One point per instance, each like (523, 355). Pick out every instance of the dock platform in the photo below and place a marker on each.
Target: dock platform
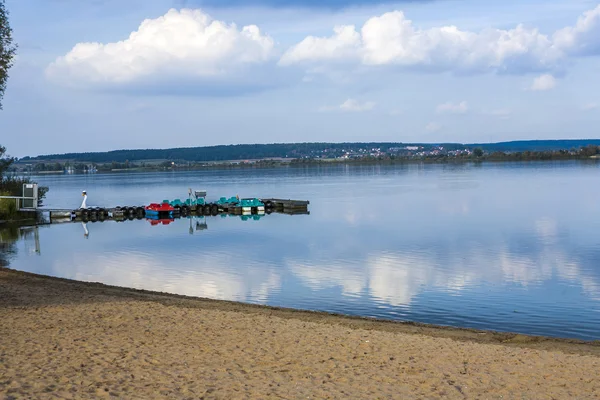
(122, 213)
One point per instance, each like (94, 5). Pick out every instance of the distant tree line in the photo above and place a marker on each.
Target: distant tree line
(213, 153)
(475, 155)
(293, 150)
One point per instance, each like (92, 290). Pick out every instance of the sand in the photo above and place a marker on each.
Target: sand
(65, 339)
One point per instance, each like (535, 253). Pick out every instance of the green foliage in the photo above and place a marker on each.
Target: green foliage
(5, 160)
(478, 152)
(42, 191)
(8, 207)
(7, 49)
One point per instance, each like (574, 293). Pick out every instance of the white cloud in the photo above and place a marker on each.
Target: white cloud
(355, 106)
(543, 82)
(344, 43)
(392, 39)
(583, 38)
(186, 44)
(591, 106)
(433, 127)
(351, 105)
(453, 108)
(187, 47)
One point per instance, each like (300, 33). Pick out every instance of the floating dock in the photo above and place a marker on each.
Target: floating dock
(123, 213)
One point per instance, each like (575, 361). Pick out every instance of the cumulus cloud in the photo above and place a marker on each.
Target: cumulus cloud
(351, 105)
(583, 39)
(392, 39)
(453, 108)
(344, 44)
(189, 50)
(187, 44)
(543, 82)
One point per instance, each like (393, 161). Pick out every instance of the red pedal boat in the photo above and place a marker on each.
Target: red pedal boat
(159, 209)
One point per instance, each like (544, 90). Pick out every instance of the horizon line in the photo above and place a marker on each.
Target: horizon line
(292, 143)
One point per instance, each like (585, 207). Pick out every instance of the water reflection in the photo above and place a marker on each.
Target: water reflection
(449, 246)
(11, 234)
(196, 223)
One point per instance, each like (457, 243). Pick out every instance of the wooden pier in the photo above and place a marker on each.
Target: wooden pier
(122, 213)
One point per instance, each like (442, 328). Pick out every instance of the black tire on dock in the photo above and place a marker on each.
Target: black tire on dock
(102, 216)
(214, 209)
(206, 209)
(85, 213)
(268, 204)
(140, 211)
(185, 210)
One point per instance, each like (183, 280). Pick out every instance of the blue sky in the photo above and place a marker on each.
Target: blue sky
(110, 74)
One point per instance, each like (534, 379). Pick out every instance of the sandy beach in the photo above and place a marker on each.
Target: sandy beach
(65, 339)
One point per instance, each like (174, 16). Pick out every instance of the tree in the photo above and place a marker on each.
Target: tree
(5, 160)
(7, 49)
(589, 150)
(478, 152)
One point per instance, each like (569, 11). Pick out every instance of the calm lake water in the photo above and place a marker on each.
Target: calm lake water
(509, 247)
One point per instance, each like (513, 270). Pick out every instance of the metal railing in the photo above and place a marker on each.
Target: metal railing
(29, 199)
(19, 202)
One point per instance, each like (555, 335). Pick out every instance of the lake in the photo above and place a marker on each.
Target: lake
(509, 246)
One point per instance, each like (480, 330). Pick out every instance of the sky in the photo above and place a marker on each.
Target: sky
(102, 75)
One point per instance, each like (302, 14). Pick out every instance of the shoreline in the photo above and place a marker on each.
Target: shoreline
(107, 341)
(418, 328)
(298, 163)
